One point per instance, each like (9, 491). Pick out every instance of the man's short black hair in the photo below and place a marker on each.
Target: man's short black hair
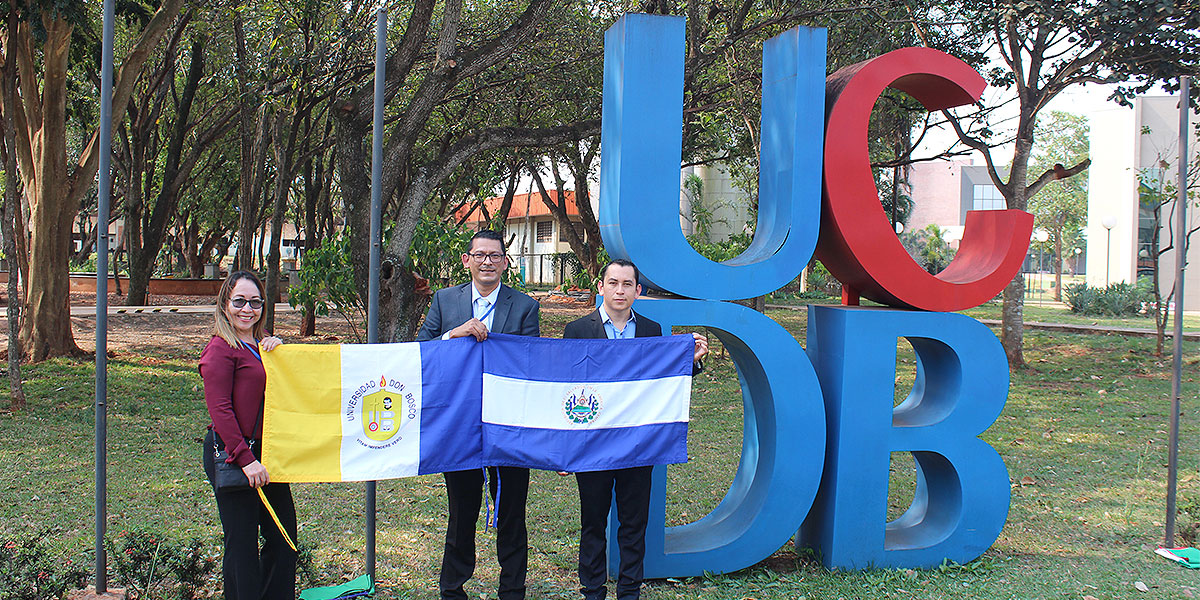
(487, 234)
(620, 262)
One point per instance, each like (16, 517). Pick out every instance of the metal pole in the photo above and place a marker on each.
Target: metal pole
(1180, 263)
(1107, 253)
(376, 241)
(105, 191)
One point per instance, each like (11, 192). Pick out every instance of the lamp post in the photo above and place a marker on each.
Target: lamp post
(1041, 236)
(1108, 222)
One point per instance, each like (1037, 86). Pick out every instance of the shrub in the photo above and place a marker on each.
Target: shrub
(822, 281)
(31, 570)
(720, 251)
(928, 248)
(1116, 300)
(151, 565)
(1120, 300)
(1081, 298)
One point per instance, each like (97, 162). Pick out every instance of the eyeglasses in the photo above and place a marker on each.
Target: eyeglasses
(482, 257)
(255, 303)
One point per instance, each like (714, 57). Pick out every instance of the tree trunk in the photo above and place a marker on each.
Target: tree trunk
(1012, 325)
(253, 152)
(312, 192)
(403, 298)
(141, 269)
(283, 168)
(12, 209)
(355, 183)
(1058, 261)
(191, 246)
(1012, 321)
(1160, 307)
(46, 330)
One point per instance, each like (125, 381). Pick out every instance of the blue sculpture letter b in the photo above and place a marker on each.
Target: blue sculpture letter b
(962, 490)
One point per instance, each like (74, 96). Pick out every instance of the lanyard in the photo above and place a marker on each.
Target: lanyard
(253, 350)
(489, 312)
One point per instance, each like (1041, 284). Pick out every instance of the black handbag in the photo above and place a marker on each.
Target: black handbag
(228, 476)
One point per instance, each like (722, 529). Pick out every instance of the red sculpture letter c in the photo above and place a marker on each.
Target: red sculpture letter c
(856, 241)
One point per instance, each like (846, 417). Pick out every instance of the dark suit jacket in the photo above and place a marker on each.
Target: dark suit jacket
(591, 326)
(515, 312)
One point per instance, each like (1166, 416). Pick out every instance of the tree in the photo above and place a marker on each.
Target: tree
(928, 248)
(1042, 47)
(583, 237)
(451, 80)
(39, 49)
(1158, 191)
(172, 124)
(1060, 208)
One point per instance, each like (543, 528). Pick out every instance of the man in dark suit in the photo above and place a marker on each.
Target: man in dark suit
(616, 320)
(475, 308)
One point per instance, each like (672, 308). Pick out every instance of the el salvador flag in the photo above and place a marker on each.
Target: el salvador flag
(586, 404)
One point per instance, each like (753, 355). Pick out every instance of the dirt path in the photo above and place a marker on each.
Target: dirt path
(169, 333)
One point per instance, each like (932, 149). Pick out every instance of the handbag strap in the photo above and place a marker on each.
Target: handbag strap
(249, 441)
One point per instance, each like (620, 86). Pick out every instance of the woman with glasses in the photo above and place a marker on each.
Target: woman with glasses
(234, 381)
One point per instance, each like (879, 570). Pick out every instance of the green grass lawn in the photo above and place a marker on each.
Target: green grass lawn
(1087, 424)
(1058, 313)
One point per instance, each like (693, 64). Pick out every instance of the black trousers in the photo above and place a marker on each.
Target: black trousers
(248, 573)
(464, 490)
(631, 488)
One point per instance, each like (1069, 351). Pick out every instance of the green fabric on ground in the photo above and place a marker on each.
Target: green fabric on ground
(1191, 555)
(360, 587)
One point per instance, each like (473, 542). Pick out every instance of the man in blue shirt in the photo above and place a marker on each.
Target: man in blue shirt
(616, 320)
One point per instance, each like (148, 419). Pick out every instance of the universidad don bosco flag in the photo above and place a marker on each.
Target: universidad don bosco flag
(361, 412)
(381, 411)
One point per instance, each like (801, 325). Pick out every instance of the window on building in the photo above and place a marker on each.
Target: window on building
(1150, 195)
(987, 197)
(545, 232)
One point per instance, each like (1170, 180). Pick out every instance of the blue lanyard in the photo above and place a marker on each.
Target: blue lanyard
(253, 350)
(489, 311)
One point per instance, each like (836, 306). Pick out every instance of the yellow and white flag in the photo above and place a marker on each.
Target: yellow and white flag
(364, 412)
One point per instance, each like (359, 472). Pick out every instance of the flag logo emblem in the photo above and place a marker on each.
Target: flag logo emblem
(581, 405)
(384, 411)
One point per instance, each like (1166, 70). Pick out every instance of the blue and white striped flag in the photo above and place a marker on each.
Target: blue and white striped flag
(586, 404)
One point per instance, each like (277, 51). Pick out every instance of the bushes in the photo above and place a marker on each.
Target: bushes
(822, 282)
(31, 570)
(1116, 300)
(151, 565)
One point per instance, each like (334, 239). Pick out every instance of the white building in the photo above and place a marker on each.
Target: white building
(1129, 146)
